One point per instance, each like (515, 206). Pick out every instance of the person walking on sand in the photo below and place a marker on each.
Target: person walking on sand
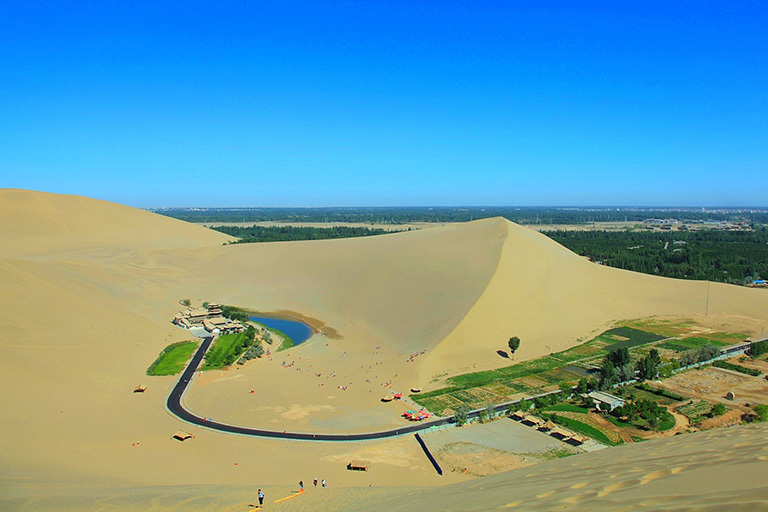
(301, 485)
(324, 483)
(315, 482)
(261, 497)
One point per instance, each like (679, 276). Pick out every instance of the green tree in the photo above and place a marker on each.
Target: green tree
(718, 410)
(514, 344)
(461, 415)
(567, 389)
(524, 405)
(762, 412)
(583, 386)
(186, 302)
(619, 357)
(609, 375)
(490, 410)
(648, 367)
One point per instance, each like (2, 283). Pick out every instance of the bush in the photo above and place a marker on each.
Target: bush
(718, 410)
(461, 415)
(660, 392)
(758, 348)
(762, 412)
(737, 368)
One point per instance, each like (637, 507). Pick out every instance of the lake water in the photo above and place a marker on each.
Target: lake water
(298, 332)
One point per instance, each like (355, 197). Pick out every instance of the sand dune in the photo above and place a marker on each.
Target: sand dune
(42, 225)
(89, 288)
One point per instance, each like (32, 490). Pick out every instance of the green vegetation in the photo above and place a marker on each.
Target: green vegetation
(461, 415)
(645, 414)
(728, 256)
(700, 355)
(762, 412)
(718, 410)
(228, 348)
(660, 392)
(286, 342)
(234, 313)
(580, 427)
(513, 343)
(568, 408)
(696, 411)
(403, 215)
(172, 359)
(627, 346)
(758, 348)
(754, 372)
(256, 234)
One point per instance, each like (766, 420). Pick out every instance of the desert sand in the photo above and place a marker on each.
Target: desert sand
(89, 288)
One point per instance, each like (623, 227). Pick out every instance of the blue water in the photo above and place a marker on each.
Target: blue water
(297, 331)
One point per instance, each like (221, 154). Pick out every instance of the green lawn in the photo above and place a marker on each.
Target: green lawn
(225, 351)
(286, 342)
(173, 358)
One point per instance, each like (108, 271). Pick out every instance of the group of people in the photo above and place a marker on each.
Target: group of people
(301, 488)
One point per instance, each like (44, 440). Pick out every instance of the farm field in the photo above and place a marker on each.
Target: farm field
(474, 390)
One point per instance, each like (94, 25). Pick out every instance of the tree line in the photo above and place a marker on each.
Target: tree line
(736, 257)
(404, 215)
(255, 234)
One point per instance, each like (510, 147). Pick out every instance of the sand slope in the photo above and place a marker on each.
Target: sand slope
(40, 225)
(89, 287)
(549, 297)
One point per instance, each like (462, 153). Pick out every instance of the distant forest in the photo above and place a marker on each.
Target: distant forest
(254, 234)
(404, 215)
(736, 257)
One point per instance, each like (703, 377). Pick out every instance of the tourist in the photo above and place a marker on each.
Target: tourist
(315, 482)
(261, 497)
(323, 482)
(301, 485)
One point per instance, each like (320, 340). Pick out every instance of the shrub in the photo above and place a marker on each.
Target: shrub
(718, 410)
(758, 348)
(737, 368)
(461, 415)
(762, 412)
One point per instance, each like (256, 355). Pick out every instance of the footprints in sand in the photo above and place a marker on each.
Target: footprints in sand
(662, 473)
(610, 489)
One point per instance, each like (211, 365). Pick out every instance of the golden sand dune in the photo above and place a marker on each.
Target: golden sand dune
(89, 287)
(39, 224)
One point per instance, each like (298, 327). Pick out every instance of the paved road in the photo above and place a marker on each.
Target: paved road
(175, 407)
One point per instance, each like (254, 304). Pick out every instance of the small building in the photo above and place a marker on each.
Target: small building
(182, 436)
(730, 395)
(196, 316)
(547, 426)
(140, 389)
(577, 440)
(518, 415)
(532, 421)
(606, 401)
(561, 433)
(359, 465)
(214, 309)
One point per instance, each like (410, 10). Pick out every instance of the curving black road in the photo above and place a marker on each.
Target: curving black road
(174, 406)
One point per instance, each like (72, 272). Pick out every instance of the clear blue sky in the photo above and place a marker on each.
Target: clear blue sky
(387, 102)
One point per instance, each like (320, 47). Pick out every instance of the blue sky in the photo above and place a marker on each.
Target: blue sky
(387, 103)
